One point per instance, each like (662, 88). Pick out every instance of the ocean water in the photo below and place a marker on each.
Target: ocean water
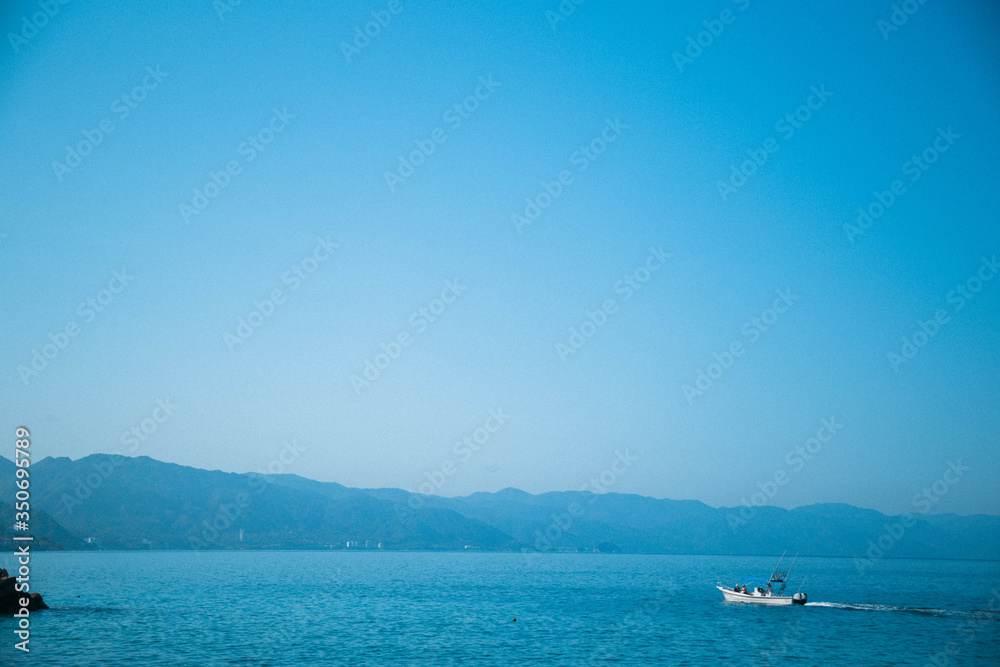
(385, 608)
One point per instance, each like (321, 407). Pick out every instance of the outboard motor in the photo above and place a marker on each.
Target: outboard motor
(799, 598)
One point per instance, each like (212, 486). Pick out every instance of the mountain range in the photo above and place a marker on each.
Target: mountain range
(116, 502)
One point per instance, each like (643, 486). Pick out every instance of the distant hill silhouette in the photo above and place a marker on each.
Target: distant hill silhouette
(141, 503)
(47, 534)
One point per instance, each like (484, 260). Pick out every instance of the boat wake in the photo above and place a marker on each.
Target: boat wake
(977, 613)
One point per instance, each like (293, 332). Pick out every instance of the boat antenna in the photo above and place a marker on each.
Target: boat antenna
(801, 585)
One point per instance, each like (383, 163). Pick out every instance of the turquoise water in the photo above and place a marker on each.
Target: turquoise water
(380, 608)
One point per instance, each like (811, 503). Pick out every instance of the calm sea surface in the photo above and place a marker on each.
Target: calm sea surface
(372, 608)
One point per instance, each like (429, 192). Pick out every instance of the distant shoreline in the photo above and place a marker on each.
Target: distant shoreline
(485, 552)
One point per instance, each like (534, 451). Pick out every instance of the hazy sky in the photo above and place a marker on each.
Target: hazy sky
(179, 166)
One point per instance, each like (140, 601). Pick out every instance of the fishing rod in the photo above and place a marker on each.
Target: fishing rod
(771, 578)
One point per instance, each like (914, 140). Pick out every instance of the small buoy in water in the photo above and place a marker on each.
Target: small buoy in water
(513, 620)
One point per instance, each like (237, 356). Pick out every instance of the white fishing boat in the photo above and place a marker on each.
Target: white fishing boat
(765, 591)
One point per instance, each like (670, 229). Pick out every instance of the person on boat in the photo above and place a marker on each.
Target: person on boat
(736, 588)
(743, 589)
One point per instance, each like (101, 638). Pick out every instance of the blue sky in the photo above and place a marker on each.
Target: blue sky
(308, 135)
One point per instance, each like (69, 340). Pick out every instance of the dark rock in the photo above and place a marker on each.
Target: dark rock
(10, 599)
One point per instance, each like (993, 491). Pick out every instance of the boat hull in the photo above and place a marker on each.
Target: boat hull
(736, 596)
